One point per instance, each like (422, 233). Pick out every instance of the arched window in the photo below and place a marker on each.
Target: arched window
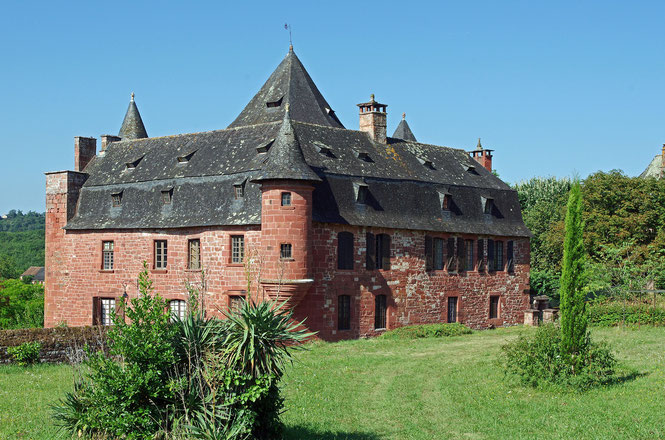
(178, 309)
(345, 251)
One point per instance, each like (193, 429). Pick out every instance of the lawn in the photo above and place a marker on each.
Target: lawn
(422, 389)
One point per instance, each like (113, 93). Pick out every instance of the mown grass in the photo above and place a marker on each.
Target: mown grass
(414, 389)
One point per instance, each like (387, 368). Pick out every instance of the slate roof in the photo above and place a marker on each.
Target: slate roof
(403, 131)
(654, 169)
(132, 126)
(406, 180)
(36, 272)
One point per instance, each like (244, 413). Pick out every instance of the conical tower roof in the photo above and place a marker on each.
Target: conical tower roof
(285, 158)
(289, 84)
(403, 131)
(132, 125)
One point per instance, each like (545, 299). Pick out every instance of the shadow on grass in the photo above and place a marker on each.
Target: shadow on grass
(302, 433)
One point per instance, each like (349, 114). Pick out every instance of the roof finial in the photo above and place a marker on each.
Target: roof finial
(132, 98)
(403, 115)
(479, 146)
(371, 97)
(288, 28)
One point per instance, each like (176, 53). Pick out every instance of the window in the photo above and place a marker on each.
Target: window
(107, 255)
(488, 205)
(469, 254)
(438, 253)
(364, 156)
(186, 158)
(285, 251)
(452, 309)
(160, 254)
(239, 191)
(343, 312)
(451, 264)
(383, 251)
(494, 307)
(380, 312)
(461, 255)
(363, 191)
(167, 196)
(445, 205)
(235, 302)
(116, 199)
(102, 308)
(286, 199)
(498, 255)
(490, 255)
(194, 254)
(178, 309)
(510, 256)
(370, 249)
(273, 104)
(345, 251)
(237, 249)
(481, 255)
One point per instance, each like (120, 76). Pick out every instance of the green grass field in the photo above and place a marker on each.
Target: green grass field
(414, 389)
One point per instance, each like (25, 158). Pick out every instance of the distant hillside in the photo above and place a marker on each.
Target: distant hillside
(22, 239)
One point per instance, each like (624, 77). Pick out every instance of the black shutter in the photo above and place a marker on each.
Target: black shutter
(490, 255)
(96, 311)
(510, 256)
(429, 255)
(438, 254)
(385, 252)
(370, 252)
(461, 254)
(451, 255)
(345, 250)
(481, 255)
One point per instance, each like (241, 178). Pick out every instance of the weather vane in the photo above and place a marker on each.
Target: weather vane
(288, 28)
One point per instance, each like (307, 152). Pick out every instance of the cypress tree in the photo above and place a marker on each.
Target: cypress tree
(573, 312)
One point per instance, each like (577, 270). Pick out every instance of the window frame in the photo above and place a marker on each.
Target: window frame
(99, 305)
(344, 312)
(160, 260)
(190, 261)
(498, 256)
(286, 251)
(452, 313)
(240, 258)
(179, 312)
(495, 307)
(234, 300)
(380, 312)
(286, 199)
(110, 253)
(470, 262)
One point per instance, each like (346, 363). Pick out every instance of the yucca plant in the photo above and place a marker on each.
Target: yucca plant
(259, 337)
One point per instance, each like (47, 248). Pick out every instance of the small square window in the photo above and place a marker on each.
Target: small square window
(285, 251)
(107, 255)
(286, 199)
(167, 196)
(239, 191)
(116, 199)
(235, 302)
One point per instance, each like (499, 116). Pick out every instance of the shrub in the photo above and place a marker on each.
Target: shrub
(538, 360)
(26, 353)
(427, 331)
(615, 313)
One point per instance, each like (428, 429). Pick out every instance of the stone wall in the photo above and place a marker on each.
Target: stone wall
(59, 344)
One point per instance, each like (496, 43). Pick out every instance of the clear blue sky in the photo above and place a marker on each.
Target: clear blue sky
(555, 88)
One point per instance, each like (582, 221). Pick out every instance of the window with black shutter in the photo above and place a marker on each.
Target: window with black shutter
(345, 251)
(461, 255)
(344, 312)
(452, 309)
(370, 252)
(102, 310)
(438, 254)
(490, 255)
(481, 255)
(450, 264)
(498, 255)
(380, 312)
(510, 256)
(429, 253)
(468, 245)
(383, 251)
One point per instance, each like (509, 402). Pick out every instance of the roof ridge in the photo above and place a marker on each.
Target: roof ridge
(199, 132)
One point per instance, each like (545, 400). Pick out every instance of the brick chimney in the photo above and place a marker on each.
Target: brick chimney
(373, 119)
(482, 156)
(84, 150)
(107, 139)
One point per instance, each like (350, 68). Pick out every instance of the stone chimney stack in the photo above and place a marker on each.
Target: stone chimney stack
(482, 156)
(84, 150)
(373, 119)
(107, 139)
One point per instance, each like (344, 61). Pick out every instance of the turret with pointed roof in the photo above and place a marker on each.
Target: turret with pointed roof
(403, 131)
(132, 125)
(289, 84)
(285, 158)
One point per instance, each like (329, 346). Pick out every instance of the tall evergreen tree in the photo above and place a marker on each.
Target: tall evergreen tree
(573, 312)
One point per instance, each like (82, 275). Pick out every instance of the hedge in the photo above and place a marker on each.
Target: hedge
(427, 331)
(58, 344)
(614, 313)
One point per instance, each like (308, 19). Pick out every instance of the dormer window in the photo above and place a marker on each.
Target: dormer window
(471, 169)
(324, 149)
(167, 196)
(265, 147)
(362, 191)
(426, 163)
(488, 204)
(239, 189)
(445, 199)
(184, 159)
(273, 104)
(364, 156)
(116, 199)
(132, 165)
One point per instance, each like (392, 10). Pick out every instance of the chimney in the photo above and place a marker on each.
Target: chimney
(107, 139)
(84, 150)
(373, 119)
(482, 156)
(662, 162)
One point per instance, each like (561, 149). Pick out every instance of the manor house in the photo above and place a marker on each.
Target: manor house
(358, 231)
